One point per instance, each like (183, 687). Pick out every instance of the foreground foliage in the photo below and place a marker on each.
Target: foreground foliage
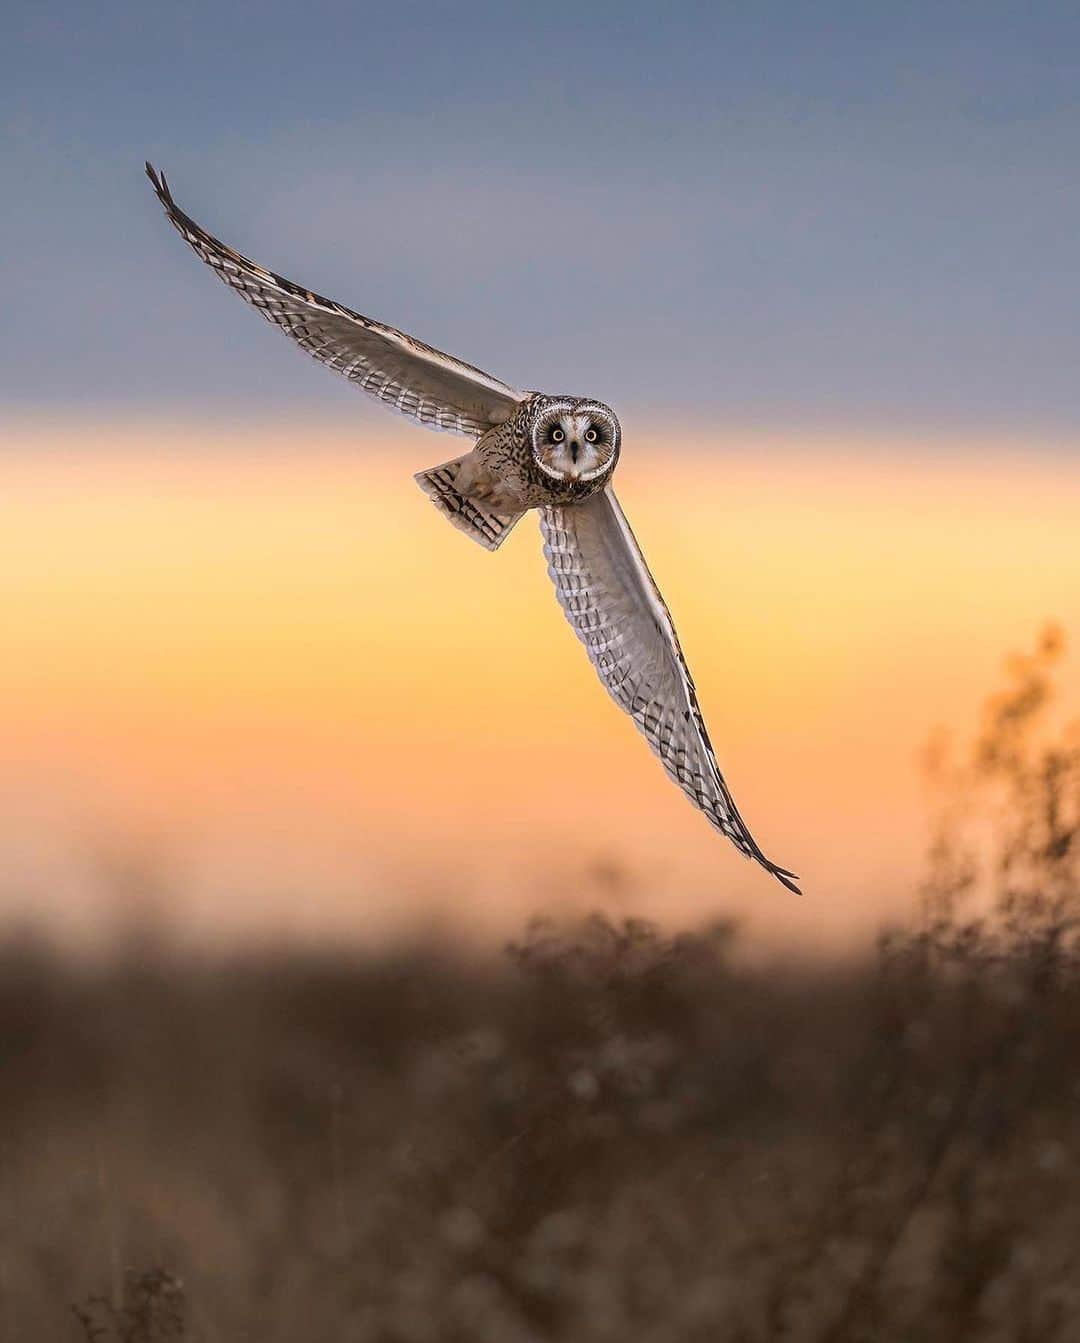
(608, 1133)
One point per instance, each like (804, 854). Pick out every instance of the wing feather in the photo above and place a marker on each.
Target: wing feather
(434, 388)
(613, 604)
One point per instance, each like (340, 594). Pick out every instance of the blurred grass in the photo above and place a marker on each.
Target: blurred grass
(605, 1133)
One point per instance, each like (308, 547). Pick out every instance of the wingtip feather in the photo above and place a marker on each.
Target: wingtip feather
(787, 879)
(160, 183)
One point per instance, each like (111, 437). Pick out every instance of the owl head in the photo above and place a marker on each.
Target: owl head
(574, 440)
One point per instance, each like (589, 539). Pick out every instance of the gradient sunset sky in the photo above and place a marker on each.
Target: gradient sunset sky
(822, 261)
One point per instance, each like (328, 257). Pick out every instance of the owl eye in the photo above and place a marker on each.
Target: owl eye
(557, 435)
(591, 435)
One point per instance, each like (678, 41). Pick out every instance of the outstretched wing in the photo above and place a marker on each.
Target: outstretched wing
(610, 599)
(434, 388)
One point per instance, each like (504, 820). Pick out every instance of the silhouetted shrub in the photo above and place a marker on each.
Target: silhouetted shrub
(609, 1133)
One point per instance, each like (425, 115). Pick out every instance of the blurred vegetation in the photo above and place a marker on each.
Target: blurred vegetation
(609, 1133)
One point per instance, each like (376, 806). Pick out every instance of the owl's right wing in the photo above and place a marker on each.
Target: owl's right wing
(609, 597)
(434, 388)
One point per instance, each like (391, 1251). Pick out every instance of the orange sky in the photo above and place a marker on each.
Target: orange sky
(263, 655)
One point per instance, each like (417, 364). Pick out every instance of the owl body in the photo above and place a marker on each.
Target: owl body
(554, 454)
(523, 463)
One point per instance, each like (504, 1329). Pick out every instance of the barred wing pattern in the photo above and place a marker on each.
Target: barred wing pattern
(613, 604)
(405, 374)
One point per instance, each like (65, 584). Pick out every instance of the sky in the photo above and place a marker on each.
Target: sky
(831, 215)
(821, 260)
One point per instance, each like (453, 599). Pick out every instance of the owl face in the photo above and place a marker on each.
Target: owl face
(575, 440)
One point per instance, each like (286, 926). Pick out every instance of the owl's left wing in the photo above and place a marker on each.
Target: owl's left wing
(435, 388)
(616, 610)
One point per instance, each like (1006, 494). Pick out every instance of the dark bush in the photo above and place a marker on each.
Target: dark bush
(608, 1133)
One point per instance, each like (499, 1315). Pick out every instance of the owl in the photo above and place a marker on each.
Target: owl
(554, 454)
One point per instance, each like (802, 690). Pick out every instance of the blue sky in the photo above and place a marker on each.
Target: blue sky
(786, 215)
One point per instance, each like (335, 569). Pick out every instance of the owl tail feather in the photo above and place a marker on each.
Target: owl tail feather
(474, 518)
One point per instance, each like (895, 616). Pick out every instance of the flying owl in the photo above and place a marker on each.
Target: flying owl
(556, 454)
